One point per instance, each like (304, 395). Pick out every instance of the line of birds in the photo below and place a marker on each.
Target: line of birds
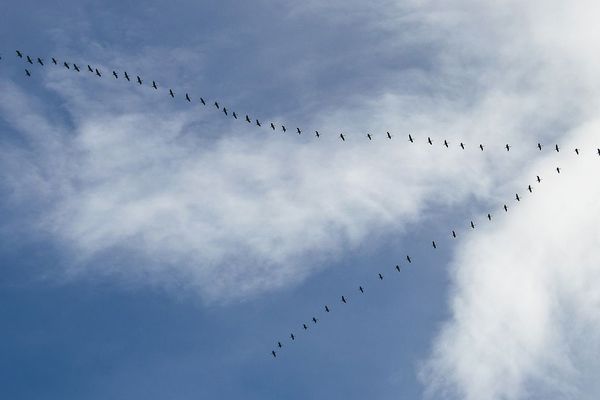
(409, 260)
(342, 136)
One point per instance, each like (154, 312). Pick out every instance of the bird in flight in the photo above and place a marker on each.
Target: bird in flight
(77, 69)
(292, 336)
(472, 225)
(248, 119)
(433, 243)
(577, 151)
(126, 76)
(272, 126)
(19, 54)
(225, 110)
(599, 152)
(187, 97)
(258, 123)
(326, 309)
(361, 289)
(429, 140)
(558, 170)
(216, 104)
(171, 93)
(446, 143)
(556, 148)
(529, 188)
(139, 80)
(398, 268)
(54, 61)
(342, 137)
(489, 216)
(369, 136)
(380, 276)
(115, 75)
(279, 345)
(27, 72)
(481, 146)
(234, 115)
(505, 208)
(507, 147)
(66, 65)
(98, 73)
(283, 128)
(343, 300)
(154, 85)
(304, 326)
(274, 353)
(298, 130)
(389, 136)
(39, 60)
(29, 60)
(317, 134)
(90, 69)
(410, 138)
(517, 197)
(314, 320)
(538, 178)
(202, 101)
(540, 146)
(453, 234)
(462, 145)
(408, 259)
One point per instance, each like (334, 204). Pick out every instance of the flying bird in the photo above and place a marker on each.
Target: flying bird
(326, 309)
(139, 80)
(274, 354)
(216, 104)
(517, 197)
(54, 61)
(462, 145)
(258, 123)
(380, 276)
(77, 69)
(298, 130)
(90, 69)
(234, 115)
(29, 60)
(408, 259)
(429, 140)
(489, 216)
(304, 326)
(556, 148)
(389, 136)
(540, 146)
(115, 75)
(481, 146)
(529, 188)
(505, 208)
(507, 147)
(343, 300)
(599, 152)
(398, 268)
(283, 128)
(225, 110)
(446, 143)
(369, 136)
(66, 65)
(314, 320)
(292, 336)
(27, 72)
(538, 178)
(361, 289)
(39, 60)
(272, 126)
(410, 138)
(317, 134)
(342, 137)
(171, 93)
(558, 170)
(126, 76)
(248, 119)
(433, 243)
(98, 73)
(472, 225)
(279, 345)
(202, 101)
(453, 234)
(187, 97)
(154, 85)
(19, 54)
(577, 151)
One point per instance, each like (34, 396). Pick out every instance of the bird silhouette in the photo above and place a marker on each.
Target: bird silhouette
(538, 178)
(577, 151)
(326, 309)
(27, 72)
(225, 110)
(388, 135)
(98, 73)
(489, 216)
(369, 136)
(279, 345)
(540, 146)
(19, 54)
(343, 300)
(433, 243)
(298, 130)
(216, 104)
(304, 326)
(429, 140)
(39, 60)
(292, 336)
(558, 170)
(317, 134)
(453, 234)
(410, 138)
(77, 69)
(248, 119)
(274, 354)
(272, 126)
(380, 276)
(29, 60)
(507, 147)
(314, 320)
(171, 93)
(556, 148)
(258, 123)
(472, 225)
(517, 197)
(342, 137)
(154, 85)
(139, 80)
(66, 65)
(481, 146)
(599, 152)
(115, 75)
(446, 143)
(505, 208)
(126, 76)
(283, 128)
(202, 101)
(54, 61)
(408, 259)
(187, 97)
(462, 145)
(234, 115)
(361, 289)
(529, 188)
(90, 69)
(398, 268)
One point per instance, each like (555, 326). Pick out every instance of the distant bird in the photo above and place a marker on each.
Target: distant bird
(540, 146)
(225, 110)
(154, 85)
(429, 140)
(304, 326)
(577, 151)
(66, 65)
(462, 145)
(298, 130)
(410, 138)
(408, 259)
(556, 148)
(54, 61)
(326, 309)
(39, 60)
(446, 143)
(292, 336)
(248, 119)
(314, 320)
(398, 268)
(187, 97)
(453, 234)
(558, 170)
(369, 136)
(202, 101)
(433, 243)
(139, 80)
(77, 69)
(507, 147)
(272, 126)
(317, 134)
(216, 104)
(489, 216)
(115, 75)
(599, 152)
(283, 128)
(279, 345)
(258, 123)
(342, 137)
(98, 73)
(27, 72)
(529, 188)
(380, 276)
(171, 93)
(19, 54)
(472, 225)
(389, 136)
(234, 115)
(517, 197)
(126, 76)
(343, 300)
(505, 208)
(29, 60)
(361, 289)
(538, 178)
(90, 69)
(274, 354)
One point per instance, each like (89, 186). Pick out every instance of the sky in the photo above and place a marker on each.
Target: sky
(156, 248)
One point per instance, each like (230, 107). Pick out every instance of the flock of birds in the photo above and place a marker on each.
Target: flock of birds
(343, 299)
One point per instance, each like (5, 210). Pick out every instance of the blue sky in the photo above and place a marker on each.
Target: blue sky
(158, 249)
